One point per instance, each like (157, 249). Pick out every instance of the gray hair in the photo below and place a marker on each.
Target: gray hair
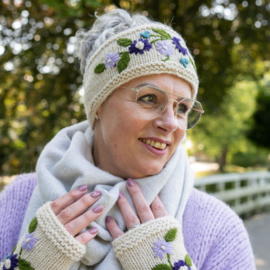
(106, 26)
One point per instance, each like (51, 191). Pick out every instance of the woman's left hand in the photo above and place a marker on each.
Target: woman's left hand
(145, 213)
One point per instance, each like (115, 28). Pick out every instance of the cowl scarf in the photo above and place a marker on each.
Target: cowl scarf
(67, 163)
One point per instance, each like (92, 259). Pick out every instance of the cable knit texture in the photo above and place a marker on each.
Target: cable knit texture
(98, 86)
(214, 236)
(134, 249)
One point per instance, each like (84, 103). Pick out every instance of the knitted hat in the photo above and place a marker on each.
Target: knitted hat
(136, 52)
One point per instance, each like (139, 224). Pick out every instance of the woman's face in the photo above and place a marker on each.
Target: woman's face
(119, 133)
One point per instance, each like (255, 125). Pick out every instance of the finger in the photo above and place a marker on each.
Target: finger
(113, 227)
(87, 236)
(64, 201)
(77, 225)
(143, 210)
(157, 208)
(128, 214)
(78, 207)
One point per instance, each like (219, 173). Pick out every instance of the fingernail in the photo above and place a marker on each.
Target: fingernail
(95, 194)
(98, 208)
(93, 230)
(109, 219)
(121, 194)
(131, 182)
(82, 188)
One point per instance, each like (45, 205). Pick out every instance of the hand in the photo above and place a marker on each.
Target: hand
(70, 209)
(145, 213)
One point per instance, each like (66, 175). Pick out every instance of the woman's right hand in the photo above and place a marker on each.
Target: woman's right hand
(70, 209)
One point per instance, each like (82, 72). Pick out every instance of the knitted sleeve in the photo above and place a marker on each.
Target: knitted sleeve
(46, 245)
(155, 245)
(14, 200)
(215, 236)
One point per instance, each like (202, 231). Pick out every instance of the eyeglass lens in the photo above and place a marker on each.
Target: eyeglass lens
(152, 102)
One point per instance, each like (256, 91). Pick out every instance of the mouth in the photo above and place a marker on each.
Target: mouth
(154, 144)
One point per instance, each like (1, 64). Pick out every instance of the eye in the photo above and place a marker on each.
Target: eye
(182, 109)
(150, 99)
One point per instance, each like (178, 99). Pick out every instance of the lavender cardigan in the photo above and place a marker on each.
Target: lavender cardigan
(214, 236)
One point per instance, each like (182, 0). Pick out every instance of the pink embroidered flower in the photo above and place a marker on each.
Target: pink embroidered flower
(29, 241)
(111, 60)
(162, 247)
(164, 47)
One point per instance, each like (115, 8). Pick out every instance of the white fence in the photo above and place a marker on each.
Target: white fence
(245, 192)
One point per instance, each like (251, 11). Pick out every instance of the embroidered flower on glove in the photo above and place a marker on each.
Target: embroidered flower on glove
(162, 247)
(29, 241)
(11, 262)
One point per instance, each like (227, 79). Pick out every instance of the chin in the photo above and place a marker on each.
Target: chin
(152, 168)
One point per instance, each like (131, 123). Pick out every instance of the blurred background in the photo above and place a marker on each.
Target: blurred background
(41, 87)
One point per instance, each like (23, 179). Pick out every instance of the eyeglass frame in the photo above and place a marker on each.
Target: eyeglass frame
(137, 90)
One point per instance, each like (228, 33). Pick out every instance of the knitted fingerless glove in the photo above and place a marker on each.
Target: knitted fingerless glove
(46, 245)
(155, 245)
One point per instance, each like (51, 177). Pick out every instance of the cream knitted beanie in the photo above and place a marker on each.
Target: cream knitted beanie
(136, 52)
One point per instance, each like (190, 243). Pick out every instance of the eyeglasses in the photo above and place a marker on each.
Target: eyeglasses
(152, 101)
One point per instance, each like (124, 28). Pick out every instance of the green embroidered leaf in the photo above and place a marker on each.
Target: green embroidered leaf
(170, 235)
(14, 249)
(24, 265)
(166, 59)
(124, 42)
(164, 35)
(33, 225)
(123, 62)
(99, 68)
(162, 267)
(188, 260)
(155, 40)
(193, 64)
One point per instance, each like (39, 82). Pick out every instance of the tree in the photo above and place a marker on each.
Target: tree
(40, 79)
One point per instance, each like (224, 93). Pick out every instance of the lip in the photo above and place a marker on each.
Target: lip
(156, 140)
(159, 153)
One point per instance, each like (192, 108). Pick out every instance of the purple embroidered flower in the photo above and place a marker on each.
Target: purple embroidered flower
(111, 60)
(180, 265)
(162, 247)
(179, 46)
(29, 241)
(140, 46)
(164, 47)
(11, 262)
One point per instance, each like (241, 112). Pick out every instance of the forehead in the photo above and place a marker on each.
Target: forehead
(170, 83)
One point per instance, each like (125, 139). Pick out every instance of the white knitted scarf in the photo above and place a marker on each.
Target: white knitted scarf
(66, 163)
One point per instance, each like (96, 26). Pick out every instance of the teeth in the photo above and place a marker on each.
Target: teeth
(155, 144)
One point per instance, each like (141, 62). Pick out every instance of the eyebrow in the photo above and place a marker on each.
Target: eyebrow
(145, 84)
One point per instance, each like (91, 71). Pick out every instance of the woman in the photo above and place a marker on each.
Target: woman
(140, 85)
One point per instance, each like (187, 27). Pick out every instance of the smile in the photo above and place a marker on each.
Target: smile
(153, 143)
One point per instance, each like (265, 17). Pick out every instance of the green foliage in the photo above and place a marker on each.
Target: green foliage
(33, 225)
(188, 260)
(161, 267)
(99, 68)
(170, 235)
(124, 42)
(39, 87)
(123, 62)
(163, 34)
(24, 265)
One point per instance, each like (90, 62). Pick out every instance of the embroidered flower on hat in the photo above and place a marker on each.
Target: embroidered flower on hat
(164, 47)
(140, 46)
(29, 241)
(111, 60)
(184, 62)
(179, 46)
(11, 262)
(162, 247)
(145, 34)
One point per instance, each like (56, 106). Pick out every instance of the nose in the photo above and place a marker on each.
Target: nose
(167, 120)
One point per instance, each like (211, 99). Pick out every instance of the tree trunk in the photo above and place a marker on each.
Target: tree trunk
(223, 158)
